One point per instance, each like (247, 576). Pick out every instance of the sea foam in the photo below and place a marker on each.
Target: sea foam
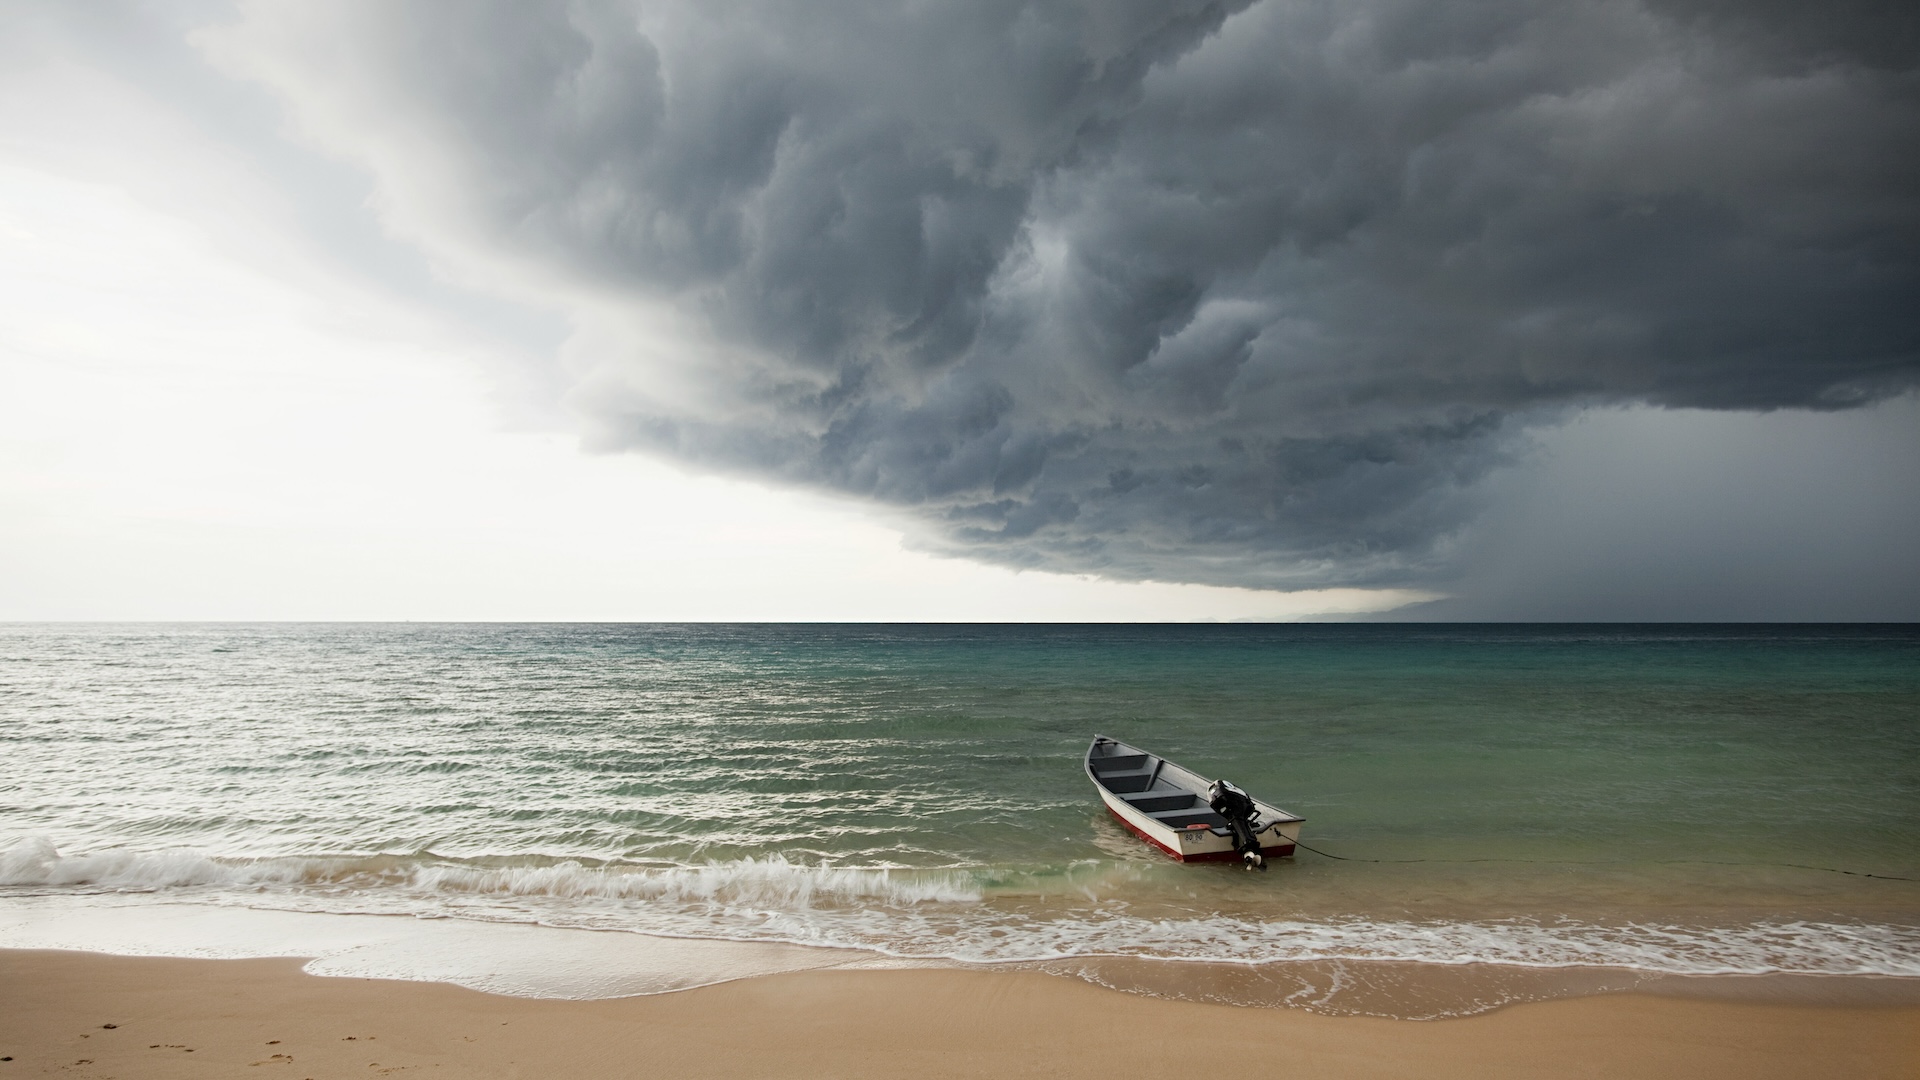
(945, 915)
(771, 881)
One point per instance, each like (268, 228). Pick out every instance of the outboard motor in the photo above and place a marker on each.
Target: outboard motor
(1237, 807)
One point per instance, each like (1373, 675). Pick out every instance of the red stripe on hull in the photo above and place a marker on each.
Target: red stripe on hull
(1280, 851)
(1135, 830)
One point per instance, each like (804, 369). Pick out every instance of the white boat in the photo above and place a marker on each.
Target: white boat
(1167, 806)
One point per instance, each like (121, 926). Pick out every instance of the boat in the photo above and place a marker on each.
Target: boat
(1181, 812)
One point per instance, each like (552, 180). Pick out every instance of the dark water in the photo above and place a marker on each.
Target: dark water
(1643, 799)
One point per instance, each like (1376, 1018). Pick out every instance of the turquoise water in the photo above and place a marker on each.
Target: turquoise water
(1650, 799)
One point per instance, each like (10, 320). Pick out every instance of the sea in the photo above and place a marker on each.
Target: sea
(1494, 813)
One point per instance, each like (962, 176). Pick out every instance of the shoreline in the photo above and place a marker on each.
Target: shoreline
(175, 1017)
(575, 963)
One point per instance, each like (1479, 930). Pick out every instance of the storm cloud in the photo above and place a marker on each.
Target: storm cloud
(1246, 293)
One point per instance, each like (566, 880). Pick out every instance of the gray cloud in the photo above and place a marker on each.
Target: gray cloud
(1239, 293)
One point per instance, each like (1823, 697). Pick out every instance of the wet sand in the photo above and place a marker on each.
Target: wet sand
(89, 1015)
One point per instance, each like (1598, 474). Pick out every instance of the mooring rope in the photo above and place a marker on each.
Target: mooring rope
(1616, 862)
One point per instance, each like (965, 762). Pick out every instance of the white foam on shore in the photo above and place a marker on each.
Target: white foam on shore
(498, 958)
(1789, 947)
(879, 912)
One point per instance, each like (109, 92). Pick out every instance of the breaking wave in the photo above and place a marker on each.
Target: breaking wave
(35, 862)
(952, 915)
(772, 882)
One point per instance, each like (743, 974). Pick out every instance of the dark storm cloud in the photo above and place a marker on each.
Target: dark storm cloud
(1242, 293)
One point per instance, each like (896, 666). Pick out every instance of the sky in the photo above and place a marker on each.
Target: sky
(959, 311)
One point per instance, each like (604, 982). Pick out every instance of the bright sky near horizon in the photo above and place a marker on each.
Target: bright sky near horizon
(214, 443)
(256, 364)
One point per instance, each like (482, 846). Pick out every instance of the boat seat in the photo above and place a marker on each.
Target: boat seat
(1118, 763)
(1126, 781)
(1180, 819)
(1152, 802)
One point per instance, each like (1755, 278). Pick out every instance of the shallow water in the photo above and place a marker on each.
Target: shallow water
(1640, 802)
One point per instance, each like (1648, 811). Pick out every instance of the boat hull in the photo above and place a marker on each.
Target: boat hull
(1271, 851)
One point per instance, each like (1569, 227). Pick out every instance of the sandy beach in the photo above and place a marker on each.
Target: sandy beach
(88, 1015)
